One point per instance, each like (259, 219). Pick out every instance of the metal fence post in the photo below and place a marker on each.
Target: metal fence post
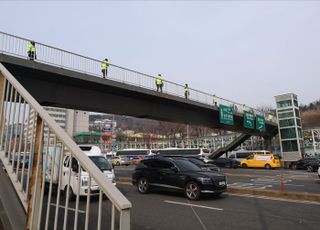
(35, 184)
(2, 90)
(125, 219)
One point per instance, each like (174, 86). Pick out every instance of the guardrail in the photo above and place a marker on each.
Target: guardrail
(39, 158)
(213, 143)
(16, 46)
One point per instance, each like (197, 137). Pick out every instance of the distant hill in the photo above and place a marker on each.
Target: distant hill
(310, 115)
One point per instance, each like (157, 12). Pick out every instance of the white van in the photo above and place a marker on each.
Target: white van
(94, 153)
(243, 154)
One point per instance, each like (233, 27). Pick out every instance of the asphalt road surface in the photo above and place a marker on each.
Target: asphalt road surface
(294, 180)
(162, 211)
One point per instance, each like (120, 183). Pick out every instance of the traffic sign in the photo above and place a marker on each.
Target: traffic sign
(260, 123)
(248, 120)
(226, 114)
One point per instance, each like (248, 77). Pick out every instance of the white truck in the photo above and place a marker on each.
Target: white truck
(94, 153)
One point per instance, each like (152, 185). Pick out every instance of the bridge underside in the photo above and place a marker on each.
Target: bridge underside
(54, 86)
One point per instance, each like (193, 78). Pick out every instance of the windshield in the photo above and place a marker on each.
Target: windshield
(101, 162)
(185, 165)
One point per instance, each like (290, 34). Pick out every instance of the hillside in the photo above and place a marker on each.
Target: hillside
(311, 118)
(310, 115)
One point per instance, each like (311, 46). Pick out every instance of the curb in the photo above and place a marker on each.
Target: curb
(277, 194)
(268, 193)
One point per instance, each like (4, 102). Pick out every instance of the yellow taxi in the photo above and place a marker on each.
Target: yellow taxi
(267, 161)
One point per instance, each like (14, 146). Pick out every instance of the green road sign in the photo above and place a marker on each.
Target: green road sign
(226, 115)
(260, 123)
(248, 120)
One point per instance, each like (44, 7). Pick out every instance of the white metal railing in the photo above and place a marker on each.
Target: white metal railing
(16, 46)
(211, 142)
(37, 156)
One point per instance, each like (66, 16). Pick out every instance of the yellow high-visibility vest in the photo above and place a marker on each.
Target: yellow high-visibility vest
(31, 48)
(104, 64)
(159, 80)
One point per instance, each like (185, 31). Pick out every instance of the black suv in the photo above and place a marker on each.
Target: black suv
(177, 174)
(311, 164)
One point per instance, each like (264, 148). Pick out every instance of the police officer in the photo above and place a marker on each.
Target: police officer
(104, 67)
(186, 91)
(159, 82)
(31, 50)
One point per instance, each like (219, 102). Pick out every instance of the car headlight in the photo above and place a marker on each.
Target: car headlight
(84, 181)
(205, 180)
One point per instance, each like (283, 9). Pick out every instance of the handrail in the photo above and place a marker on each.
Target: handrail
(69, 60)
(14, 87)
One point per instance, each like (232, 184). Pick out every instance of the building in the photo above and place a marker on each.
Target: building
(72, 121)
(289, 125)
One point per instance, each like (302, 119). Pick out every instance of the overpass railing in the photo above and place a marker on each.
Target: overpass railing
(16, 46)
(50, 172)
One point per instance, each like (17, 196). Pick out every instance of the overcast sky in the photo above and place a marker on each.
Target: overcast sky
(246, 51)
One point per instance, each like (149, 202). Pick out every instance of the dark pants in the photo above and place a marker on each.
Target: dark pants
(186, 94)
(104, 72)
(31, 55)
(159, 87)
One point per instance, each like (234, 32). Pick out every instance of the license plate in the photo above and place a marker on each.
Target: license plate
(222, 183)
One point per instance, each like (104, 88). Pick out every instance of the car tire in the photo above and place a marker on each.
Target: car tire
(192, 190)
(71, 194)
(244, 166)
(143, 185)
(267, 166)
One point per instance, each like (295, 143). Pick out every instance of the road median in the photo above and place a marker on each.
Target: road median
(256, 192)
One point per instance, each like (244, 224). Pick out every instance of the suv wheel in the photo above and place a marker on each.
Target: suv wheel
(143, 185)
(192, 191)
(267, 166)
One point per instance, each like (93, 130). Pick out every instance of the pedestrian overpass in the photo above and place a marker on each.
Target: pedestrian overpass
(64, 79)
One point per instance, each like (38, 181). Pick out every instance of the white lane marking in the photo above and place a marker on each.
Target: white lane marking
(192, 205)
(275, 199)
(198, 217)
(249, 185)
(71, 209)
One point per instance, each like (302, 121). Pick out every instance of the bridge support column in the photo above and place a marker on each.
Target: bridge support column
(267, 143)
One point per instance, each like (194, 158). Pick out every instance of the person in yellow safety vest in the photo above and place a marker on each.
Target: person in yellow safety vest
(159, 82)
(186, 91)
(104, 67)
(31, 50)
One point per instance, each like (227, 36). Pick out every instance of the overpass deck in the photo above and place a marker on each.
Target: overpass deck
(64, 79)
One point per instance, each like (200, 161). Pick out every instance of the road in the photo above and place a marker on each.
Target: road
(162, 211)
(294, 180)
(169, 211)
